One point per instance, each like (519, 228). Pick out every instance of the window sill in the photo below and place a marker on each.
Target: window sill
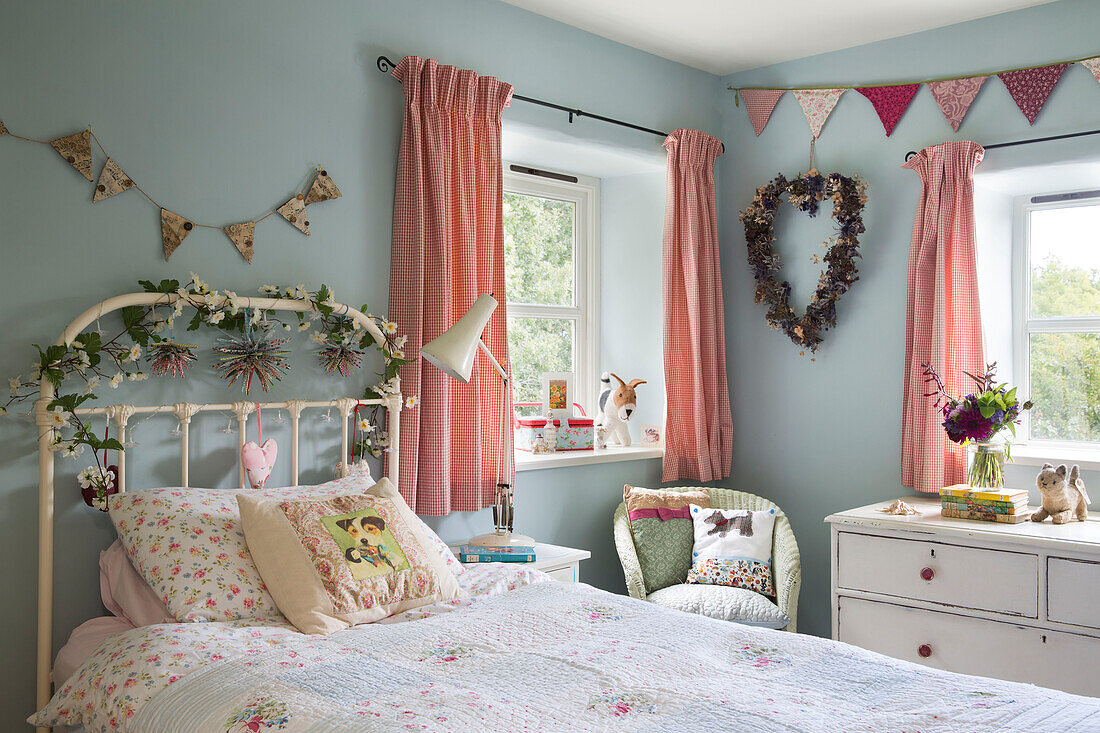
(529, 462)
(1036, 454)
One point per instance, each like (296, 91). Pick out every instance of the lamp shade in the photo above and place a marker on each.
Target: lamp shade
(453, 352)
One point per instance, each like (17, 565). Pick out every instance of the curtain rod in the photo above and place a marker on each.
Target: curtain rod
(385, 66)
(911, 153)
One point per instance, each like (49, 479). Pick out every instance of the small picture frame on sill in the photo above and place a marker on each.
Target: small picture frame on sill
(557, 395)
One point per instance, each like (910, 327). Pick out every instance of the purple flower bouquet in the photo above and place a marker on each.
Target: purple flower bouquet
(975, 419)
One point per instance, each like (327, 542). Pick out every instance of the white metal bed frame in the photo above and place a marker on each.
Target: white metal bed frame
(184, 411)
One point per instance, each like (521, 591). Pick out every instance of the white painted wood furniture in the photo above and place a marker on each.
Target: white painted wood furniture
(1017, 602)
(560, 563)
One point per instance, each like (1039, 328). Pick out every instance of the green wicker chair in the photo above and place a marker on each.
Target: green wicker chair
(786, 562)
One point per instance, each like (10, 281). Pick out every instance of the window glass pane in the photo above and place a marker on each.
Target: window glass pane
(535, 346)
(1065, 386)
(538, 249)
(1065, 261)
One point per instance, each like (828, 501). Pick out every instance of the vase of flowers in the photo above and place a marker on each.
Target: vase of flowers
(979, 420)
(987, 463)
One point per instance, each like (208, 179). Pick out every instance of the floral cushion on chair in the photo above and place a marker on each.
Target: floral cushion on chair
(662, 531)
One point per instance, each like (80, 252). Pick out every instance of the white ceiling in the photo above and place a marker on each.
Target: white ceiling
(724, 36)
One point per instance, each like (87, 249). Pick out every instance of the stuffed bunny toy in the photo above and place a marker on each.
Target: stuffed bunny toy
(1062, 498)
(616, 407)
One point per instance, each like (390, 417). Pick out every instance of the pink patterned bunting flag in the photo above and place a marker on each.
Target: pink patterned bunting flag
(1031, 87)
(890, 102)
(1092, 65)
(955, 97)
(760, 103)
(817, 104)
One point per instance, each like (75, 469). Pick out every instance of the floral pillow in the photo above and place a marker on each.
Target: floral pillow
(188, 544)
(733, 547)
(333, 562)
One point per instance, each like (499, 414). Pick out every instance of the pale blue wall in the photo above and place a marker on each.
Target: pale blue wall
(221, 109)
(819, 437)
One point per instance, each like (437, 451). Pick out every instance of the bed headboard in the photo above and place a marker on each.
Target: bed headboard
(120, 414)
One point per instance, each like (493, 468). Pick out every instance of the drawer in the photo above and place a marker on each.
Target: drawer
(974, 646)
(965, 577)
(1073, 592)
(568, 574)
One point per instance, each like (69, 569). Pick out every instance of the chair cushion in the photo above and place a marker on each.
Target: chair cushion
(723, 603)
(662, 543)
(733, 547)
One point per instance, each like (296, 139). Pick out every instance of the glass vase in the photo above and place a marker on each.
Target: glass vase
(987, 464)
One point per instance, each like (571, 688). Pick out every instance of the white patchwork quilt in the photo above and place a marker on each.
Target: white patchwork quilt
(544, 657)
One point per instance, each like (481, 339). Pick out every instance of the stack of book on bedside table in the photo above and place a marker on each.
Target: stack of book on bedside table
(990, 505)
(514, 553)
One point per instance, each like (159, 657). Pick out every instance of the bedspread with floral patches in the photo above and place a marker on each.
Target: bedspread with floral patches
(561, 656)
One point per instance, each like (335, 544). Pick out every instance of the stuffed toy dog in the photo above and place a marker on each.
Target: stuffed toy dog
(616, 407)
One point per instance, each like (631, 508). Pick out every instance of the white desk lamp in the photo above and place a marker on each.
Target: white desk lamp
(453, 352)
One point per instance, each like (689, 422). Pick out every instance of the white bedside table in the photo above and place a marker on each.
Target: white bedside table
(560, 563)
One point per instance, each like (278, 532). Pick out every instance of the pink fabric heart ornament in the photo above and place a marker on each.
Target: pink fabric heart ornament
(258, 461)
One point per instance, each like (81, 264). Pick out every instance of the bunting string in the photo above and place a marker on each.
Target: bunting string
(77, 151)
(1029, 87)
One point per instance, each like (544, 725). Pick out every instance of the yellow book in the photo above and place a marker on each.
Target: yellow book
(1009, 495)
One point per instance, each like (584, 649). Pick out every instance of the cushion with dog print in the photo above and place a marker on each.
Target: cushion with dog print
(333, 562)
(662, 531)
(188, 545)
(733, 547)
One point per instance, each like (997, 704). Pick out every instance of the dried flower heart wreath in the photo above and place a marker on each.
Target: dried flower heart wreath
(805, 193)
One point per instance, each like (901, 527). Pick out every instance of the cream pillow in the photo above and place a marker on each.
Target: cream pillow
(733, 547)
(333, 562)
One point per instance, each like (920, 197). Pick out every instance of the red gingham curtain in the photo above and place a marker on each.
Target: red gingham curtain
(942, 321)
(699, 428)
(448, 248)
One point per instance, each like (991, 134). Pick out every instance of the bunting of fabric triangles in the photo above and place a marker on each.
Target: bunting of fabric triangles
(173, 229)
(1031, 87)
(111, 181)
(3, 130)
(955, 97)
(241, 235)
(1092, 65)
(890, 102)
(294, 211)
(817, 104)
(323, 189)
(760, 103)
(77, 150)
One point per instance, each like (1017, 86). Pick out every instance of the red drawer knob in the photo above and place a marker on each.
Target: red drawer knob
(924, 650)
(927, 573)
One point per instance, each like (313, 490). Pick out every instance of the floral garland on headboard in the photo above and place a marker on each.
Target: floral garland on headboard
(148, 331)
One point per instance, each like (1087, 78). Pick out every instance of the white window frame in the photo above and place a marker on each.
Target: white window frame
(585, 311)
(1024, 325)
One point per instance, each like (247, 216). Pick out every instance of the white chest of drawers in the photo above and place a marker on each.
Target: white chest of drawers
(1016, 602)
